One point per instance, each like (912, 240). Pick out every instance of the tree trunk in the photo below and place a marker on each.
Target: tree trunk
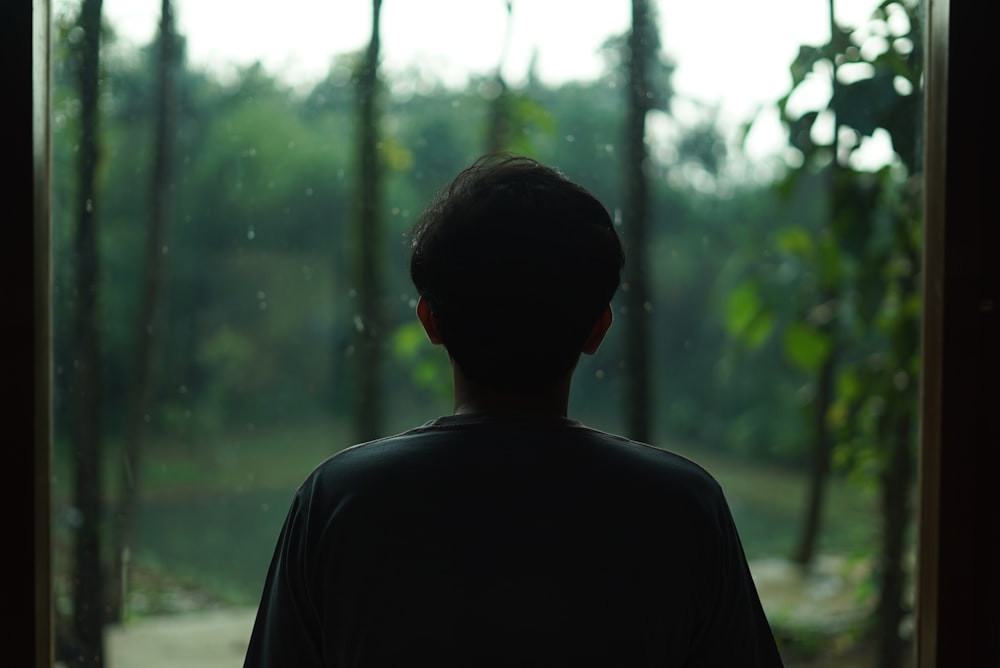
(819, 464)
(892, 572)
(369, 321)
(896, 479)
(635, 290)
(499, 129)
(147, 333)
(86, 389)
(819, 454)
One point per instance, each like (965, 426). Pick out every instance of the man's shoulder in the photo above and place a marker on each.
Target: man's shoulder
(518, 446)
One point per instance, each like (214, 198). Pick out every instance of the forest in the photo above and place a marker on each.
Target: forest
(232, 304)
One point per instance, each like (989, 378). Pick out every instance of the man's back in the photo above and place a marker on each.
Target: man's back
(511, 540)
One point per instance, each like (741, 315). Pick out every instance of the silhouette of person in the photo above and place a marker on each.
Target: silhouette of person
(507, 534)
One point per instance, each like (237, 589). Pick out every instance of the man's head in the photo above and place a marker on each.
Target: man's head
(517, 264)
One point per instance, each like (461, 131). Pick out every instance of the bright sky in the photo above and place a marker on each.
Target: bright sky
(734, 53)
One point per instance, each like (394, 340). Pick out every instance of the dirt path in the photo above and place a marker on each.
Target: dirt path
(204, 639)
(824, 598)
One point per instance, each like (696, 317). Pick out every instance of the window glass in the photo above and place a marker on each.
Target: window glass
(263, 329)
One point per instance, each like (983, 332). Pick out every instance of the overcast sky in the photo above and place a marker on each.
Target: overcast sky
(734, 53)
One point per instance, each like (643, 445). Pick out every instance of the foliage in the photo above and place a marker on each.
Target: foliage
(879, 228)
(861, 304)
(261, 303)
(262, 306)
(258, 274)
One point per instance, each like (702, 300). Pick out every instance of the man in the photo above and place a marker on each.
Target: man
(507, 534)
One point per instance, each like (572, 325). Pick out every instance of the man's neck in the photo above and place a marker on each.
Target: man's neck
(472, 397)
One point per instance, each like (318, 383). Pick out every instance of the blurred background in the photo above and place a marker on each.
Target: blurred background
(232, 189)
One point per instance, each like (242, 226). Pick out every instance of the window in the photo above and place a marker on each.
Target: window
(260, 301)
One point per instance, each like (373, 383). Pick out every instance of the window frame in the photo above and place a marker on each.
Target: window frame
(959, 533)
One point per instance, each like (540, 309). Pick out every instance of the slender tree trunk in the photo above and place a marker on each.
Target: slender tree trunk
(499, 129)
(635, 290)
(896, 479)
(86, 389)
(820, 447)
(147, 335)
(819, 464)
(369, 323)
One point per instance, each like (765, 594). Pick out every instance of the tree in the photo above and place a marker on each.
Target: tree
(867, 257)
(823, 331)
(369, 320)
(149, 323)
(85, 392)
(642, 46)
(498, 132)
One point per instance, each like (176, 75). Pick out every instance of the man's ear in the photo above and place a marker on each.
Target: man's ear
(426, 319)
(601, 327)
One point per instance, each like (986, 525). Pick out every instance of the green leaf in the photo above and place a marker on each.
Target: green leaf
(759, 329)
(866, 104)
(849, 385)
(746, 317)
(742, 305)
(408, 340)
(795, 241)
(805, 347)
(804, 63)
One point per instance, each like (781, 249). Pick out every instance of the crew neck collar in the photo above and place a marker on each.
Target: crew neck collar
(502, 418)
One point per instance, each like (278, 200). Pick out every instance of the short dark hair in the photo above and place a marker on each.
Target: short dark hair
(516, 262)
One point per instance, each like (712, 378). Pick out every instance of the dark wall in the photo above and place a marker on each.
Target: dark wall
(959, 622)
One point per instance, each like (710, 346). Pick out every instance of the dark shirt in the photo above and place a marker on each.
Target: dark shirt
(509, 541)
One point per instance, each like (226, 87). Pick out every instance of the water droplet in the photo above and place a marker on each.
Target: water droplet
(359, 323)
(250, 233)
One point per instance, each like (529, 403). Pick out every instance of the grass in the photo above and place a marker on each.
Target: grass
(212, 507)
(768, 503)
